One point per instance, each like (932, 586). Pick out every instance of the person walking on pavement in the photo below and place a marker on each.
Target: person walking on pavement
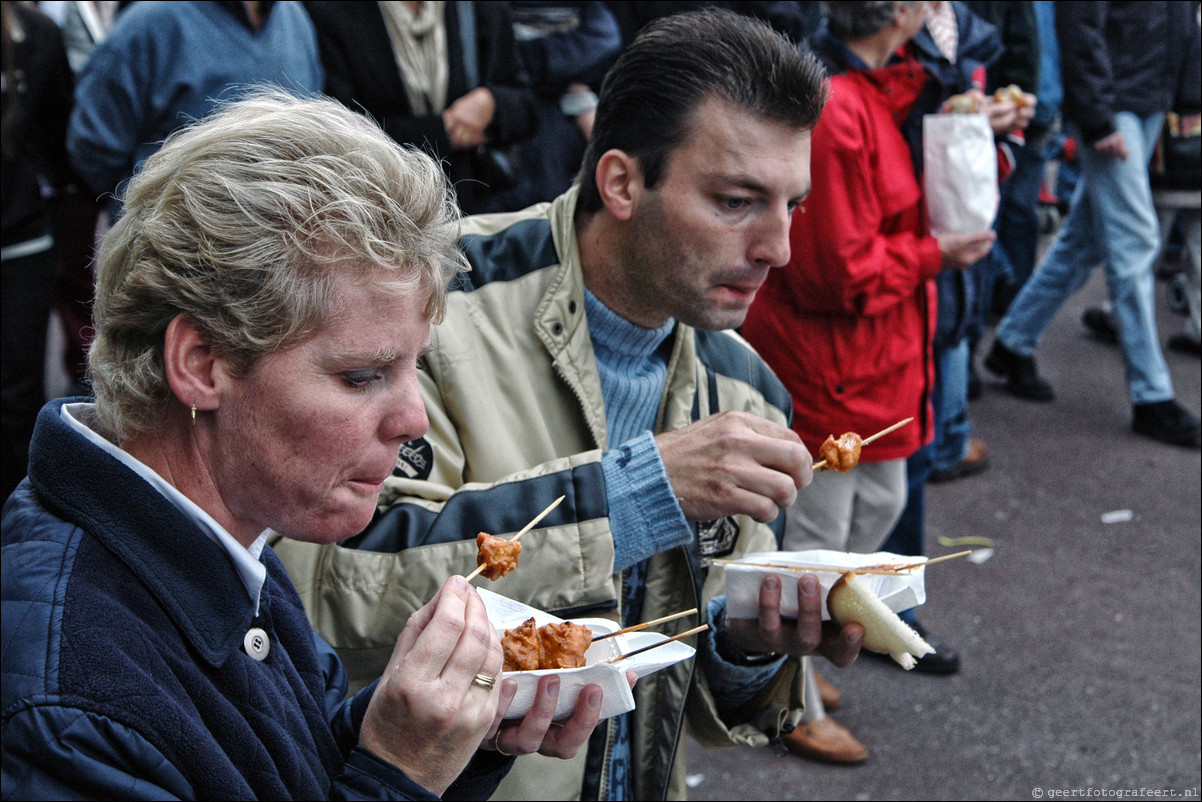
(1125, 58)
(860, 280)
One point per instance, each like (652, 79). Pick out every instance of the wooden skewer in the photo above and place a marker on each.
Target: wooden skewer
(807, 569)
(911, 566)
(955, 556)
(822, 463)
(684, 634)
(524, 530)
(867, 569)
(646, 624)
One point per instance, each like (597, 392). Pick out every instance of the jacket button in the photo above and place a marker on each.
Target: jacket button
(571, 307)
(839, 389)
(256, 644)
(557, 329)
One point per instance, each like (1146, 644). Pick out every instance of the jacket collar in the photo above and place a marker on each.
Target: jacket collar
(979, 45)
(898, 84)
(186, 572)
(562, 325)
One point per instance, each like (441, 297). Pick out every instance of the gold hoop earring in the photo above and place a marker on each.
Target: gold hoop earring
(193, 414)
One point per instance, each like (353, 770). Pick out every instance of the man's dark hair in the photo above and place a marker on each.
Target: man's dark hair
(678, 62)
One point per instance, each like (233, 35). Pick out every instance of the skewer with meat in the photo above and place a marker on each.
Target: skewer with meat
(841, 455)
(497, 555)
(844, 454)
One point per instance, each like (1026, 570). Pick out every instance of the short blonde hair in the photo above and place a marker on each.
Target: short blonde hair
(242, 221)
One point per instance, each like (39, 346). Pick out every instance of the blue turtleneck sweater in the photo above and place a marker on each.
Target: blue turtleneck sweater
(644, 516)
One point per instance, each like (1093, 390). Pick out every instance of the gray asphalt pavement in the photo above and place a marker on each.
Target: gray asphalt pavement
(1080, 639)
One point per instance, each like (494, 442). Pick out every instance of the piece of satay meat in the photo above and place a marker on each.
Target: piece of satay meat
(497, 555)
(560, 645)
(522, 647)
(841, 455)
(564, 645)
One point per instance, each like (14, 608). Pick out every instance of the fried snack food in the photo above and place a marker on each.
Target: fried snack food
(965, 103)
(563, 645)
(559, 645)
(841, 455)
(522, 647)
(497, 555)
(884, 632)
(1014, 93)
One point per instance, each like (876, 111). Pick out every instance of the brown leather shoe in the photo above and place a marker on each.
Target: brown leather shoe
(829, 694)
(826, 740)
(975, 461)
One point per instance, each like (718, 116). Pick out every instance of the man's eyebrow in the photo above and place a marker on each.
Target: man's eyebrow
(744, 182)
(750, 184)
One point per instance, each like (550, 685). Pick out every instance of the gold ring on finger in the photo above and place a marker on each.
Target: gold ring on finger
(484, 681)
(496, 744)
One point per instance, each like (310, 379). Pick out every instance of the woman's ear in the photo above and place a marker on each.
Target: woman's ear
(190, 364)
(619, 183)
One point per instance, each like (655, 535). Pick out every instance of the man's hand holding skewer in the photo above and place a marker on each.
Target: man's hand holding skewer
(734, 463)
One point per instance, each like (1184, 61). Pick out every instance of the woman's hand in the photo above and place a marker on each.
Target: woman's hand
(1008, 116)
(467, 118)
(961, 250)
(427, 717)
(537, 732)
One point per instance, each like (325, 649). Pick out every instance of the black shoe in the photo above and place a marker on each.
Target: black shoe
(1185, 344)
(1170, 265)
(1167, 422)
(944, 661)
(1100, 323)
(1022, 379)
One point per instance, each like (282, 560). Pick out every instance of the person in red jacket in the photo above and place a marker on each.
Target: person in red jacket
(847, 323)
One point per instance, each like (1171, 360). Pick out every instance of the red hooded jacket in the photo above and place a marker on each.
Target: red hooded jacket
(847, 323)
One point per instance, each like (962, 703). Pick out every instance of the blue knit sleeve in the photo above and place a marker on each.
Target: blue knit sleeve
(643, 513)
(733, 684)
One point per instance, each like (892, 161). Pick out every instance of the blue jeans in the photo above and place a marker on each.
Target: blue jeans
(1018, 215)
(949, 397)
(1112, 222)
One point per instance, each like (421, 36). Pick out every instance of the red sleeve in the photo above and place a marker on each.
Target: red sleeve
(856, 246)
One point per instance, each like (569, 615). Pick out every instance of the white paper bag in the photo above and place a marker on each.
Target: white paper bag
(959, 173)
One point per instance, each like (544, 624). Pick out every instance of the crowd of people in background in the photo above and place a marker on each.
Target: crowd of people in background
(870, 319)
